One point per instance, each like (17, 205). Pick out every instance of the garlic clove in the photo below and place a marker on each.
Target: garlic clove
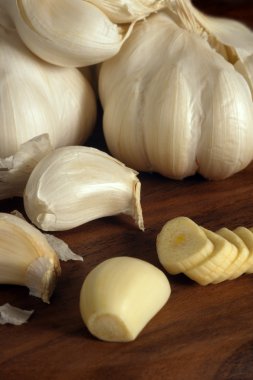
(26, 258)
(120, 296)
(15, 170)
(66, 32)
(76, 184)
(38, 98)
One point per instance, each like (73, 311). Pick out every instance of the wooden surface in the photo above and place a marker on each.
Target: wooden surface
(201, 333)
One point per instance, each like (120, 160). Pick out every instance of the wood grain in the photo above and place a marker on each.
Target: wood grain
(201, 333)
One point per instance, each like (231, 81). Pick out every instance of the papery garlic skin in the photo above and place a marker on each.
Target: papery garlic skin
(74, 185)
(37, 98)
(126, 11)
(15, 170)
(26, 258)
(69, 33)
(177, 107)
(13, 315)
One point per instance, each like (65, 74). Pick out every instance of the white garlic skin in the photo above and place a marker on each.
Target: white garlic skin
(37, 97)
(177, 107)
(69, 33)
(76, 184)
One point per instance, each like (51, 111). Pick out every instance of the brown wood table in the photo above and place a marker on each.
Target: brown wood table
(201, 333)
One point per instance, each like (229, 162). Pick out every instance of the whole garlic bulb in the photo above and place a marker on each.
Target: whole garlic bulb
(66, 32)
(37, 97)
(173, 105)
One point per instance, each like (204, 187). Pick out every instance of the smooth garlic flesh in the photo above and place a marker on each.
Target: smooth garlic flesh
(70, 33)
(26, 258)
(74, 185)
(177, 107)
(37, 98)
(120, 296)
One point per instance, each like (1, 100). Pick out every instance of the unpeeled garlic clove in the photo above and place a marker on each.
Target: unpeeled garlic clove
(70, 33)
(26, 258)
(120, 296)
(76, 184)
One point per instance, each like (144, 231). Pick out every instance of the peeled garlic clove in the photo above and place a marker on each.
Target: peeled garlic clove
(15, 170)
(120, 296)
(66, 32)
(26, 258)
(184, 110)
(73, 185)
(37, 98)
(123, 11)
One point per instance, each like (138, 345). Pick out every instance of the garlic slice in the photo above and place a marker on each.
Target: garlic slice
(15, 170)
(66, 32)
(14, 315)
(26, 258)
(74, 185)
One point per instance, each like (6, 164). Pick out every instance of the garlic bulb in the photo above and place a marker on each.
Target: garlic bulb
(125, 11)
(173, 105)
(66, 32)
(37, 98)
(26, 258)
(73, 185)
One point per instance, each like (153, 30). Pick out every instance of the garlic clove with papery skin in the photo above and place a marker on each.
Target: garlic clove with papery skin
(76, 184)
(69, 33)
(26, 258)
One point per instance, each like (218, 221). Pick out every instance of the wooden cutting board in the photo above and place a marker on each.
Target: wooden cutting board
(201, 333)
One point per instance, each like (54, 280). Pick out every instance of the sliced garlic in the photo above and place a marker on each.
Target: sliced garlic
(13, 315)
(67, 32)
(177, 107)
(38, 98)
(74, 185)
(15, 170)
(120, 296)
(26, 258)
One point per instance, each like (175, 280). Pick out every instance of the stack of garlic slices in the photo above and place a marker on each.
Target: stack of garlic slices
(204, 256)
